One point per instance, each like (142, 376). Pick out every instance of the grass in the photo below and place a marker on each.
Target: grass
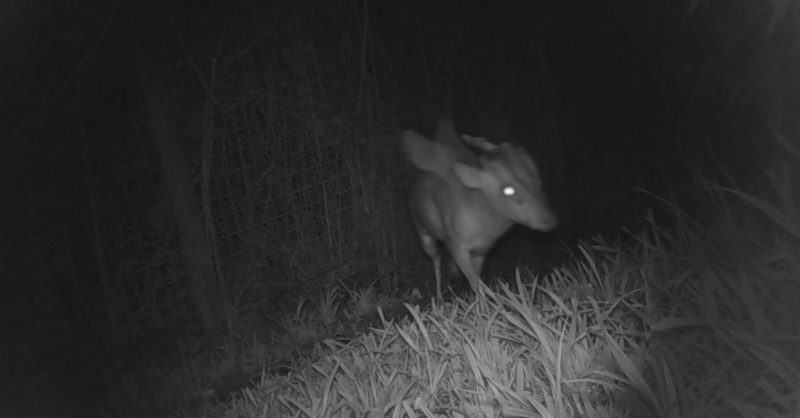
(695, 320)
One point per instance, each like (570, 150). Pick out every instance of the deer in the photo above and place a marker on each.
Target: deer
(468, 192)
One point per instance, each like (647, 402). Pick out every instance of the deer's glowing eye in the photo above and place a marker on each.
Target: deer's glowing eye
(509, 191)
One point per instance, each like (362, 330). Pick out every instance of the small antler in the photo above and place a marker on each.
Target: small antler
(480, 143)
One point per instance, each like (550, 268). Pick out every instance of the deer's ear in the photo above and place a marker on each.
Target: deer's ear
(468, 175)
(426, 154)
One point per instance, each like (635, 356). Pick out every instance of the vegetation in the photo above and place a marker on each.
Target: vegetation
(694, 321)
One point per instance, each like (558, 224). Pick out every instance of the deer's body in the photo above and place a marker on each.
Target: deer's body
(468, 199)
